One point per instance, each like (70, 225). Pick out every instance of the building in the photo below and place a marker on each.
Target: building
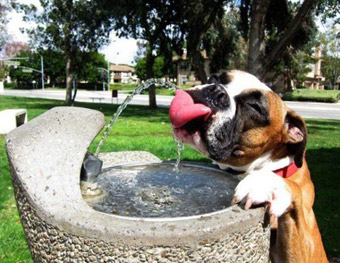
(184, 72)
(122, 74)
(314, 79)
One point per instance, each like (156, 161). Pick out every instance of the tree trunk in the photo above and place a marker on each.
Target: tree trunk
(150, 59)
(68, 99)
(198, 63)
(68, 53)
(256, 36)
(288, 35)
(197, 31)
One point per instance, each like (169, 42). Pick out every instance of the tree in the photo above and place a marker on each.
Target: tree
(269, 29)
(153, 22)
(24, 79)
(3, 73)
(157, 68)
(88, 67)
(197, 18)
(329, 9)
(224, 44)
(330, 43)
(70, 26)
(54, 65)
(275, 17)
(5, 7)
(141, 50)
(331, 70)
(141, 68)
(13, 48)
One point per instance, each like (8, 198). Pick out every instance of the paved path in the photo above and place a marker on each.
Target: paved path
(305, 109)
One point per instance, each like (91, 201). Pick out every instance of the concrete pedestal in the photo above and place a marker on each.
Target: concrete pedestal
(46, 157)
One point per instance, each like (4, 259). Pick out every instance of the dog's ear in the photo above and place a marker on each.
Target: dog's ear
(296, 136)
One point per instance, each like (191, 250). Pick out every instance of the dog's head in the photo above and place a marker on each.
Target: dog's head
(235, 119)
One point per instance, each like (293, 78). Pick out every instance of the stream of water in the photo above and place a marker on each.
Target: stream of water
(137, 91)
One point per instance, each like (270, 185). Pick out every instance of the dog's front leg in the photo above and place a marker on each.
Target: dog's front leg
(264, 186)
(297, 235)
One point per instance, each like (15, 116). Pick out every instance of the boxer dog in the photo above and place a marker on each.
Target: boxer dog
(239, 123)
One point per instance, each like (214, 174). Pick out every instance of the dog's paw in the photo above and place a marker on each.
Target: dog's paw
(263, 187)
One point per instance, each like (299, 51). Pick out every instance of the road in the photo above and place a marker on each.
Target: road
(305, 109)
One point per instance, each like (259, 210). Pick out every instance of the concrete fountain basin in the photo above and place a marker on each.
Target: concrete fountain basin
(46, 156)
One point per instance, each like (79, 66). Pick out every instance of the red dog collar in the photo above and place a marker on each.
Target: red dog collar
(287, 171)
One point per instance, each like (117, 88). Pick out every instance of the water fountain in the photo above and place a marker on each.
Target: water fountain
(163, 224)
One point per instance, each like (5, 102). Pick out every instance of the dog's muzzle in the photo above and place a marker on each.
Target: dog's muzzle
(193, 104)
(213, 96)
(183, 109)
(197, 116)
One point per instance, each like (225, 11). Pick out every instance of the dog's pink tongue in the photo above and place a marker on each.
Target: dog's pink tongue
(183, 109)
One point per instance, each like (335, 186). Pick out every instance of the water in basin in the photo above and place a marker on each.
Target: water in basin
(158, 191)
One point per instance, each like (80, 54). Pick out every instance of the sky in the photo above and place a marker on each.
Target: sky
(119, 51)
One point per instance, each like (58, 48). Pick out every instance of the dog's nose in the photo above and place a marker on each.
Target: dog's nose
(214, 96)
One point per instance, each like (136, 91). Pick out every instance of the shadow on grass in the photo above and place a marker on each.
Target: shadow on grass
(324, 166)
(323, 125)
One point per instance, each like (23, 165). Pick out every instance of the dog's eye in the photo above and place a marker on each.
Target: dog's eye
(255, 108)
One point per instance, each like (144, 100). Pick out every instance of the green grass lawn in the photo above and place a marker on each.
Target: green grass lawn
(313, 95)
(140, 128)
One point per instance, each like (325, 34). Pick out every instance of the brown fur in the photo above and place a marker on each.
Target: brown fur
(298, 239)
(255, 142)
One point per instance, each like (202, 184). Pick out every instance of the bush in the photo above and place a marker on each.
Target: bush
(123, 86)
(2, 73)
(24, 85)
(91, 86)
(313, 95)
(10, 85)
(299, 86)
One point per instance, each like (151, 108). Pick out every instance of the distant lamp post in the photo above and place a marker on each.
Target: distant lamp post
(29, 70)
(108, 76)
(42, 72)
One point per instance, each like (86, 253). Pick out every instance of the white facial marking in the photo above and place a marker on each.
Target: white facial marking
(220, 119)
(243, 81)
(264, 186)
